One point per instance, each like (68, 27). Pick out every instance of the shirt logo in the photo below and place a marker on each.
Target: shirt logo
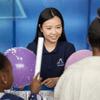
(60, 62)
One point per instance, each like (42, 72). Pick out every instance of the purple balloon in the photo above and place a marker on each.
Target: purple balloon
(23, 65)
(78, 56)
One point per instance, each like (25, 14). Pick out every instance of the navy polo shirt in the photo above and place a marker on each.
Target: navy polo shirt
(53, 62)
(8, 96)
(33, 96)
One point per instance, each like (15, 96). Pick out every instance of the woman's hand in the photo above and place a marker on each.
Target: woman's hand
(50, 82)
(35, 84)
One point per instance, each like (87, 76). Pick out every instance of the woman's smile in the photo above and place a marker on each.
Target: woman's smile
(54, 37)
(52, 30)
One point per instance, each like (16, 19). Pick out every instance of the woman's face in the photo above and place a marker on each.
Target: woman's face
(52, 29)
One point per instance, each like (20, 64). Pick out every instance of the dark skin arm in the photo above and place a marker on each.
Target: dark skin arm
(35, 85)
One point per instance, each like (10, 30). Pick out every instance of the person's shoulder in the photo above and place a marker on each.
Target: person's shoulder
(11, 96)
(32, 44)
(65, 44)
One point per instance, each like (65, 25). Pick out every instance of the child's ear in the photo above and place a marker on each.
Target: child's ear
(4, 78)
(40, 28)
(88, 40)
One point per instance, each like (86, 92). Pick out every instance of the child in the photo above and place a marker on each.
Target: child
(6, 80)
(56, 48)
(81, 80)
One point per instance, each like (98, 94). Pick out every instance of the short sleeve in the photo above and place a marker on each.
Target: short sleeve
(70, 50)
(32, 46)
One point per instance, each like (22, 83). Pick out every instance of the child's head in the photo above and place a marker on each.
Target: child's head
(46, 15)
(94, 32)
(6, 77)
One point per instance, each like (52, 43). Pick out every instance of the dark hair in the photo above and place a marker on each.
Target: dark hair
(3, 60)
(45, 15)
(94, 31)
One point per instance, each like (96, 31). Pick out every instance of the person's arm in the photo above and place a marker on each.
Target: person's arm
(50, 82)
(33, 47)
(35, 87)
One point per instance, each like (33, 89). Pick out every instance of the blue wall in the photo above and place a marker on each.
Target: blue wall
(18, 20)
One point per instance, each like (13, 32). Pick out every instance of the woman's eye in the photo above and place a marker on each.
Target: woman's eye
(48, 28)
(58, 27)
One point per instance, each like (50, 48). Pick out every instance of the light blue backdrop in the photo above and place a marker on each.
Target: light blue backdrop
(18, 20)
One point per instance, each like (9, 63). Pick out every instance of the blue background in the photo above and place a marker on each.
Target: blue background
(18, 20)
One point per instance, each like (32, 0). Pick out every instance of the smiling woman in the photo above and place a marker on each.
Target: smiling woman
(51, 30)
(56, 47)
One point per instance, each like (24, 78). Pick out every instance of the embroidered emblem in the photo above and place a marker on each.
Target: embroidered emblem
(38, 97)
(60, 62)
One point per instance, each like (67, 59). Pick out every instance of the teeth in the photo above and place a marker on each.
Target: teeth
(53, 36)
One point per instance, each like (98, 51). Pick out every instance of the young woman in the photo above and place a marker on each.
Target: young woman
(6, 80)
(80, 81)
(56, 49)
